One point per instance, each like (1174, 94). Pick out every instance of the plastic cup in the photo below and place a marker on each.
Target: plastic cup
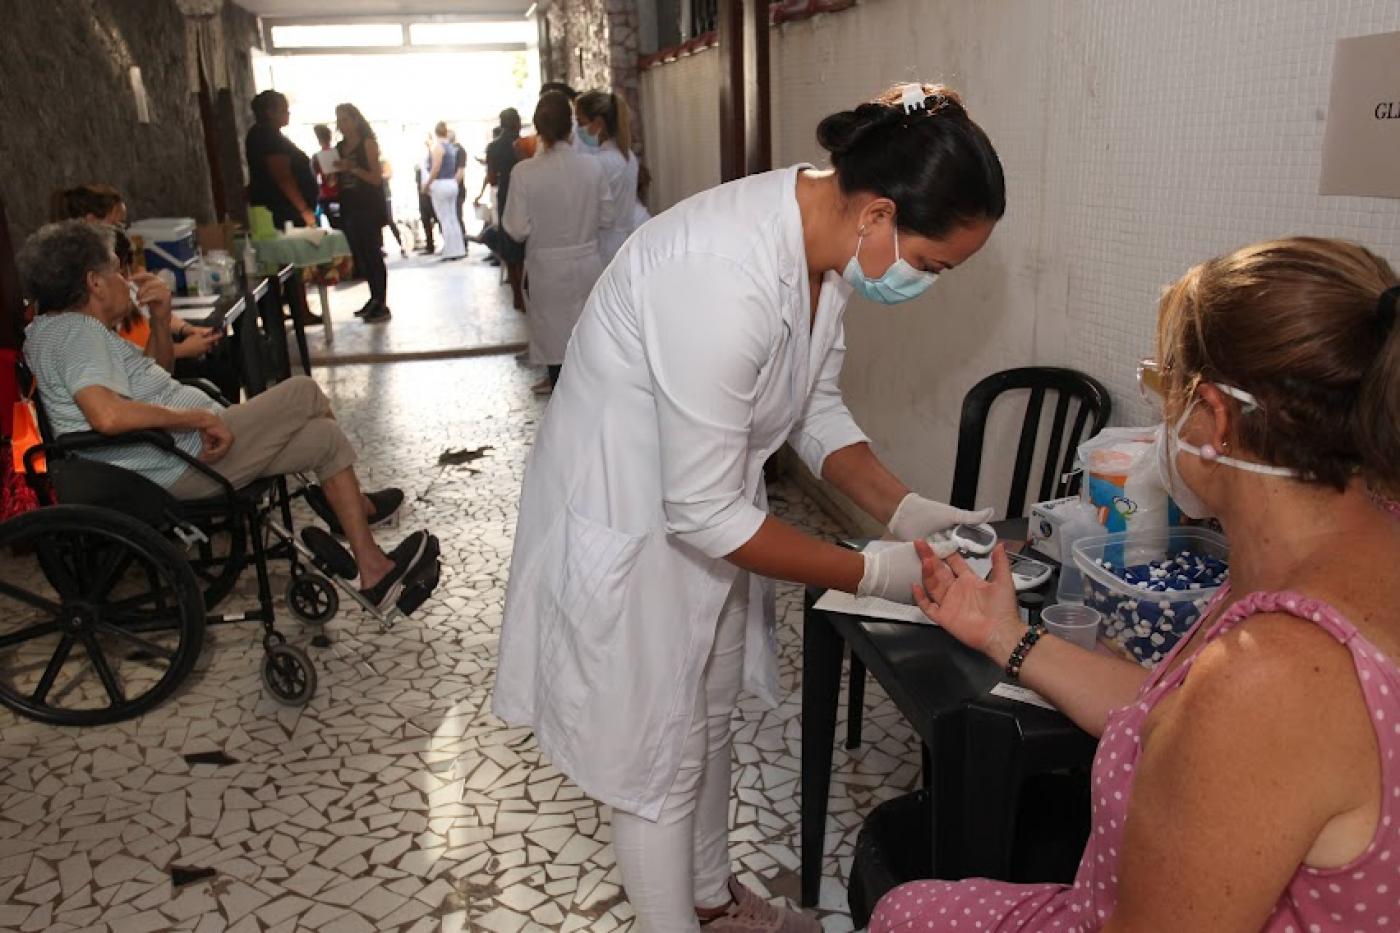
(1078, 625)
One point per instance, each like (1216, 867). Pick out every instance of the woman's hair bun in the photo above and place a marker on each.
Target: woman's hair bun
(916, 145)
(843, 131)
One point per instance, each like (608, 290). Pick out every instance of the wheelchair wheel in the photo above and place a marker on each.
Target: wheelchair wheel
(288, 675)
(219, 561)
(100, 622)
(312, 599)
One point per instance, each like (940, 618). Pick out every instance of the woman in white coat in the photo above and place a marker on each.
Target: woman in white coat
(605, 131)
(559, 204)
(638, 596)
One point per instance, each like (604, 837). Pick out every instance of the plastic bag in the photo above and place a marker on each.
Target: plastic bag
(1122, 481)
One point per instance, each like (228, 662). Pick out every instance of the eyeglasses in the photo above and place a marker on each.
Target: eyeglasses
(1149, 380)
(1151, 383)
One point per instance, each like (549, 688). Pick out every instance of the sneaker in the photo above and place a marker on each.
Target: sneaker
(379, 315)
(749, 913)
(406, 557)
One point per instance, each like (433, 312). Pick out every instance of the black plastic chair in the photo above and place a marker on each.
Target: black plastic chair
(1082, 406)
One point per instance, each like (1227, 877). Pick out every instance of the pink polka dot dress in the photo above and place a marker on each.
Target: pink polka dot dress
(1363, 895)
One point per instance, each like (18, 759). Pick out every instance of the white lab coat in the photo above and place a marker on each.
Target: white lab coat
(559, 203)
(622, 182)
(694, 360)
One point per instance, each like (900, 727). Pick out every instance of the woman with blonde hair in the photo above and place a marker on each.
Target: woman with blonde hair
(1252, 780)
(605, 130)
(441, 185)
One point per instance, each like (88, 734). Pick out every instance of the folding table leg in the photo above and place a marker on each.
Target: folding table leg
(325, 312)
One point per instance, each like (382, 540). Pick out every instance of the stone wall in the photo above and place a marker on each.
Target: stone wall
(594, 43)
(68, 114)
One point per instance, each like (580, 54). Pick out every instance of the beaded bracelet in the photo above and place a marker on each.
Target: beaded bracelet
(1023, 648)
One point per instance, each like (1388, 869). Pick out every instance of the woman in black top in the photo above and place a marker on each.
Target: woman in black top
(362, 214)
(279, 174)
(500, 161)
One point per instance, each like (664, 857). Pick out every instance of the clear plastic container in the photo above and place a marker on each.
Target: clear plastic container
(1078, 625)
(1146, 624)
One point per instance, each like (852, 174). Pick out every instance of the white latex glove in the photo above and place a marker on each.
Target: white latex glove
(891, 572)
(917, 517)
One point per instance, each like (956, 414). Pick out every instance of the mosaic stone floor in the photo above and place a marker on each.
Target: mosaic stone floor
(394, 801)
(438, 307)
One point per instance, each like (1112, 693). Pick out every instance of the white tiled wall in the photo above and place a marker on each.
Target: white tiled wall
(680, 108)
(1138, 137)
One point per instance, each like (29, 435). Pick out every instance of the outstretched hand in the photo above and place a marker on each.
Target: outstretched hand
(971, 609)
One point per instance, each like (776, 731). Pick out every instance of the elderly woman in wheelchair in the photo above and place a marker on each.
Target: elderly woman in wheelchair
(124, 437)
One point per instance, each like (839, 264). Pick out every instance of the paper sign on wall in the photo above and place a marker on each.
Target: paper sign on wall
(1361, 150)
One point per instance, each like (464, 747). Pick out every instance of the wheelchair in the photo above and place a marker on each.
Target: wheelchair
(106, 589)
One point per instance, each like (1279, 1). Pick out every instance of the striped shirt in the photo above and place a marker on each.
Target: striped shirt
(71, 351)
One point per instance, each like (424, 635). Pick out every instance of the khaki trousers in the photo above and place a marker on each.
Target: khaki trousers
(287, 429)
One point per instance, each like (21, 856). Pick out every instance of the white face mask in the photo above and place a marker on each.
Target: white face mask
(1169, 445)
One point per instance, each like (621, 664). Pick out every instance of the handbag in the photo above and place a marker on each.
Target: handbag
(25, 434)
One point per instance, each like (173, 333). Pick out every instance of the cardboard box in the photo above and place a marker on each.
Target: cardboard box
(216, 236)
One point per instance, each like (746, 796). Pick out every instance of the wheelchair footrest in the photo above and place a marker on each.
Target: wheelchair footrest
(420, 584)
(330, 556)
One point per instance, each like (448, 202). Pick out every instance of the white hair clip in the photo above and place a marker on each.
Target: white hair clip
(913, 97)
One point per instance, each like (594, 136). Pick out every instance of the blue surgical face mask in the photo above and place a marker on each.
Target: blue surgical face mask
(586, 136)
(900, 282)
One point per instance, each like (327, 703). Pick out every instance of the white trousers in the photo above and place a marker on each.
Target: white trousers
(680, 861)
(443, 191)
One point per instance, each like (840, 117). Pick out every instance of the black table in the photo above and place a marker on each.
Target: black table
(939, 685)
(255, 314)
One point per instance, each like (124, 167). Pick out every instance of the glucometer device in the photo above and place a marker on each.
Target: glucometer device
(1026, 573)
(977, 540)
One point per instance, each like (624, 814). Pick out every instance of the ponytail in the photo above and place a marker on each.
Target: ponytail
(621, 125)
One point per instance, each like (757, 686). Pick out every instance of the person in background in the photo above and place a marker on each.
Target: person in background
(442, 186)
(165, 342)
(328, 192)
(425, 201)
(362, 207)
(1251, 781)
(460, 154)
(605, 129)
(559, 203)
(525, 146)
(501, 159)
(97, 204)
(386, 171)
(279, 174)
(91, 380)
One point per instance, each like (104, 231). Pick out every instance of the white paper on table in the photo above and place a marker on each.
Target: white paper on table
(837, 601)
(1021, 695)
